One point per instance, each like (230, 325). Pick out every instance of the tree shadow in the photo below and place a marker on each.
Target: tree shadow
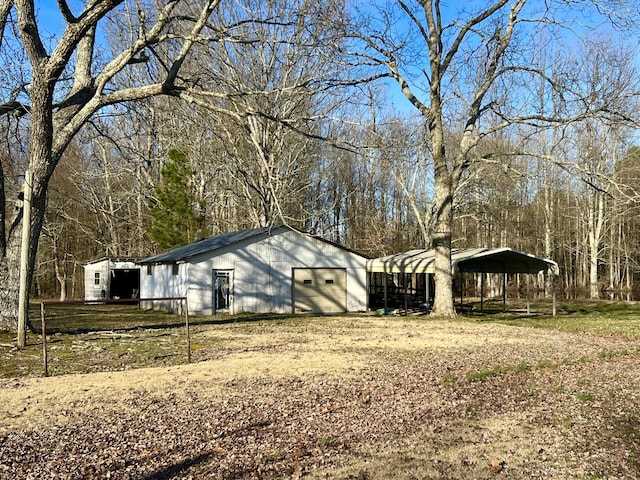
(172, 470)
(84, 320)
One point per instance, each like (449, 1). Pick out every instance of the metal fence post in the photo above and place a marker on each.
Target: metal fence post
(186, 319)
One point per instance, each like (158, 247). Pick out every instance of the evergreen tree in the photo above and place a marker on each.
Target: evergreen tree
(175, 218)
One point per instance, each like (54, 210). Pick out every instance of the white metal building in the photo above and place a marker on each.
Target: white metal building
(277, 269)
(111, 279)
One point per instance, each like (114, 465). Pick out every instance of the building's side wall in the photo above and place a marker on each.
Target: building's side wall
(96, 288)
(262, 272)
(160, 282)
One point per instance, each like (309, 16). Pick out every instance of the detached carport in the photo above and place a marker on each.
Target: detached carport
(416, 267)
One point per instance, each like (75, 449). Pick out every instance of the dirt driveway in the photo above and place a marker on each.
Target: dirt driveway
(352, 398)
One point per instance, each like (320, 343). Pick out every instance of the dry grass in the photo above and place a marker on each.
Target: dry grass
(337, 397)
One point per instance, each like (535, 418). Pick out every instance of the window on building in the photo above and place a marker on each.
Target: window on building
(149, 269)
(96, 278)
(307, 282)
(175, 269)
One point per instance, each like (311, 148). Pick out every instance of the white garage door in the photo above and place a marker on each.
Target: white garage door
(320, 290)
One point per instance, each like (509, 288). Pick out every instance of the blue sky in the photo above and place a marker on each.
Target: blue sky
(51, 24)
(50, 21)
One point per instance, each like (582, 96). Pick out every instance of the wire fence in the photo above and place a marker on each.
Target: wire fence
(74, 317)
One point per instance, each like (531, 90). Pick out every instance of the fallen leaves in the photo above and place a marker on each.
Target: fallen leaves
(396, 417)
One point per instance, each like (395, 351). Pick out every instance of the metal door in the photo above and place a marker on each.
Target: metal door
(221, 291)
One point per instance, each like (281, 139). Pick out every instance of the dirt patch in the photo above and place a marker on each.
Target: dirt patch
(341, 398)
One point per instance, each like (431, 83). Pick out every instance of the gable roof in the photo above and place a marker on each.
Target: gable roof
(487, 260)
(114, 260)
(211, 244)
(205, 245)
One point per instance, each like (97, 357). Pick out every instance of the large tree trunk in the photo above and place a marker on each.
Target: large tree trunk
(441, 241)
(41, 165)
(10, 266)
(10, 281)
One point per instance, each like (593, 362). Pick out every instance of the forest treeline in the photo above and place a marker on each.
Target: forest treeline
(287, 136)
(370, 199)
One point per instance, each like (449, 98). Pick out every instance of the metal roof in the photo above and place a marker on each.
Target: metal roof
(185, 252)
(207, 245)
(113, 259)
(487, 260)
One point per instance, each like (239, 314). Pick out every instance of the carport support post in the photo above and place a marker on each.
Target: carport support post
(482, 291)
(386, 301)
(404, 283)
(426, 291)
(528, 294)
(553, 288)
(45, 355)
(504, 292)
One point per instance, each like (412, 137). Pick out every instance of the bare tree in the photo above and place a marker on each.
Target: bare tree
(56, 109)
(459, 70)
(266, 91)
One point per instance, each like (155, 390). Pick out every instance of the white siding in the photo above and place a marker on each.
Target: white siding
(162, 283)
(200, 290)
(100, 290)
(262, 273)
(262, 280)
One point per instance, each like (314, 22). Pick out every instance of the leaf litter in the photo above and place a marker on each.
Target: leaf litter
(341, 398)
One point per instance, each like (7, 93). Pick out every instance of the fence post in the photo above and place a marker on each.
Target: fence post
(45, 356)
(186, 317)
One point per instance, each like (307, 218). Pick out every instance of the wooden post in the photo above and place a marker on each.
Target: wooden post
(23, 293)
(45, 355)
(186, 319)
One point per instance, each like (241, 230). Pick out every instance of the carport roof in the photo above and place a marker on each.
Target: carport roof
(487, 260)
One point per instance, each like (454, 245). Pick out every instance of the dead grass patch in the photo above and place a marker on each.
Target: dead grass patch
(333, 397)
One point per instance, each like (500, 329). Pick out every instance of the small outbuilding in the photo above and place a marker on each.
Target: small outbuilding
(273, 269)
(111, 279)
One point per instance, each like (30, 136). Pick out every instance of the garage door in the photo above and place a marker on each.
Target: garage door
(320, 290)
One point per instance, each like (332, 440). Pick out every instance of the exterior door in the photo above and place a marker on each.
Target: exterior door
(222, 295)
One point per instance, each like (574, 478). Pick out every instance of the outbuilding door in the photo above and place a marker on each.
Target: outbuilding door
(320, 290)
(125, 283)
(222, 295)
